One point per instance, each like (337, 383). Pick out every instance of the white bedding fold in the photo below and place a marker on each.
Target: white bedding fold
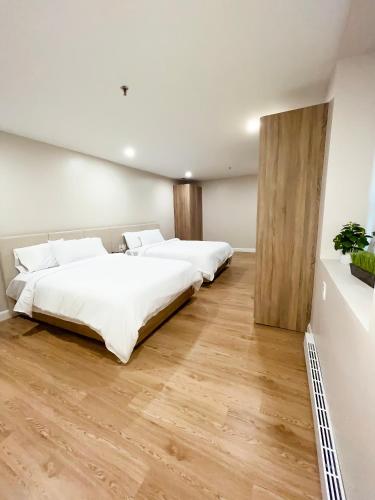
(115, 295)
(206, 256)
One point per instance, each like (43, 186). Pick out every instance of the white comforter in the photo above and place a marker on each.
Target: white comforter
(206, 256)
(115, 295)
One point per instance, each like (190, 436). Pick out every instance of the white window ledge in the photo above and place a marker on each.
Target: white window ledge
(357, 294)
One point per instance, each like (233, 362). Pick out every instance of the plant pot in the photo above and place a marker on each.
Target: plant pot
(363, 275)
(345, 258)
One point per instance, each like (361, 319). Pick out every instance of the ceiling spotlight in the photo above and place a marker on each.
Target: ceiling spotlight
(253, 126)
(188, 174)
(129, 152)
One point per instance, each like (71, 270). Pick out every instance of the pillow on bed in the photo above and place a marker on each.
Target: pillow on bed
(66, 251)
(151, 236)
(133, 239)
(17, 264)
(34, 258)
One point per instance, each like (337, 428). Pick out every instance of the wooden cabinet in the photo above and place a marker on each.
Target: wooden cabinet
(291, 162)
(188, 211)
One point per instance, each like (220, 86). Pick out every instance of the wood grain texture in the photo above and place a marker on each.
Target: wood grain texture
(208, 407)
(188, 211)
(291, 161)
(143, 333)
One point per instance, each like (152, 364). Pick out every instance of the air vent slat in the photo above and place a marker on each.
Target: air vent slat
(328, 462)
(333, 487)
(325, 419)
(319, 414)
(330, 444)
(338, 489)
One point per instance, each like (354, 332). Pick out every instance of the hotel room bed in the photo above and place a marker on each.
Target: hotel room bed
(112, 297)
(209, 257)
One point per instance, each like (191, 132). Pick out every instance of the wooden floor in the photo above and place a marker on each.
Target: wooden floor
(208, 407)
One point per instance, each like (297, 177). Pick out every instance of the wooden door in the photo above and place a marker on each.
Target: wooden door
(291, 162)
(188, 211)
(196, 228)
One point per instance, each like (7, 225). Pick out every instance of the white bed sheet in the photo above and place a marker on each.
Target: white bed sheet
(114, 295)
(17, 284)
(206, 256)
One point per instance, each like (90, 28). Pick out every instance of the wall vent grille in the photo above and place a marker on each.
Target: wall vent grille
(332, 486)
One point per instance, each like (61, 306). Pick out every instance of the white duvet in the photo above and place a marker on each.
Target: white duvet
(115, 295)
(206, 256)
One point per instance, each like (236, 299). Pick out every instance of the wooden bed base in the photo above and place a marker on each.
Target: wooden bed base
(146, 330)
(219, 270)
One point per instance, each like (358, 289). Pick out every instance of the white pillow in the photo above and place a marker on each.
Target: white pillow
(151, 236)
(132, 239)
(34, 258)
(66, 251)
(17, 264)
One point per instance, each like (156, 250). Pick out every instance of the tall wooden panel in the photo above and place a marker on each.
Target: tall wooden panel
(291, 162)
(188, 211)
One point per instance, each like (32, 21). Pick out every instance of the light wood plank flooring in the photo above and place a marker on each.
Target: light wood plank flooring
(208, 407)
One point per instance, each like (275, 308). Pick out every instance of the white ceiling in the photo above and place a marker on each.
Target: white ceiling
(359, 33)
(197, 70)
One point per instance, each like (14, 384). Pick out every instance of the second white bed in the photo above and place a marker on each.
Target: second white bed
(206, 256)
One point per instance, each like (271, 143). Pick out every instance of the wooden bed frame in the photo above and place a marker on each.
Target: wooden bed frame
(218, 271)
(111, 237)
(146, 330)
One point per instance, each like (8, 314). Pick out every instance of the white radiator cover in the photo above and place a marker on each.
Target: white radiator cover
(330, 475)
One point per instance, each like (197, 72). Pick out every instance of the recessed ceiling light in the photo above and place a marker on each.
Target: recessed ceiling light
(188, 174)
(253, 126)
(129, 152)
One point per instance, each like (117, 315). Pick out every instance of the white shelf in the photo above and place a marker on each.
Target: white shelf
(357, 294)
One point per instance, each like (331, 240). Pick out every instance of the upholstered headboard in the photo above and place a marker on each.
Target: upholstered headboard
(111, 237)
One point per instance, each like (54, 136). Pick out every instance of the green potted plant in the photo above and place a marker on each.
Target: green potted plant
(351, 239)
(363, 267)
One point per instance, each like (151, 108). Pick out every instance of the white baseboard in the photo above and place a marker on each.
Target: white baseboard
(5, 315)
(250, 250)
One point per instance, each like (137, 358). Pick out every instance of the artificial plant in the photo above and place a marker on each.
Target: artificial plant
(352, 238)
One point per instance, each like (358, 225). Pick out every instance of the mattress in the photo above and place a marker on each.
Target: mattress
(114, 295)
(205, 256)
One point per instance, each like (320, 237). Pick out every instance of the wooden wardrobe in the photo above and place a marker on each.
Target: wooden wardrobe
(188, 211)
(292, 148)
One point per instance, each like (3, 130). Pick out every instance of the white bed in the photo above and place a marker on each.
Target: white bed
(113, 294)
(206, 256)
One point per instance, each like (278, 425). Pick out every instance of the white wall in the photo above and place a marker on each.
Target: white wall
(45, 188)
(229, 210)
(371, 201)
(351, 151)
(347, 356)
(346, 347)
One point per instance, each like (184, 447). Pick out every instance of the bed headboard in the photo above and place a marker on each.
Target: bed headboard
(111, 237)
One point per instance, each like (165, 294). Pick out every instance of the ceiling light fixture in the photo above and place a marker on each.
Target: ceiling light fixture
(253, 126)
(129, 152)
(188, 174)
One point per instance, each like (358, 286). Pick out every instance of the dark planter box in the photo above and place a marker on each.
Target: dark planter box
(363, 275)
